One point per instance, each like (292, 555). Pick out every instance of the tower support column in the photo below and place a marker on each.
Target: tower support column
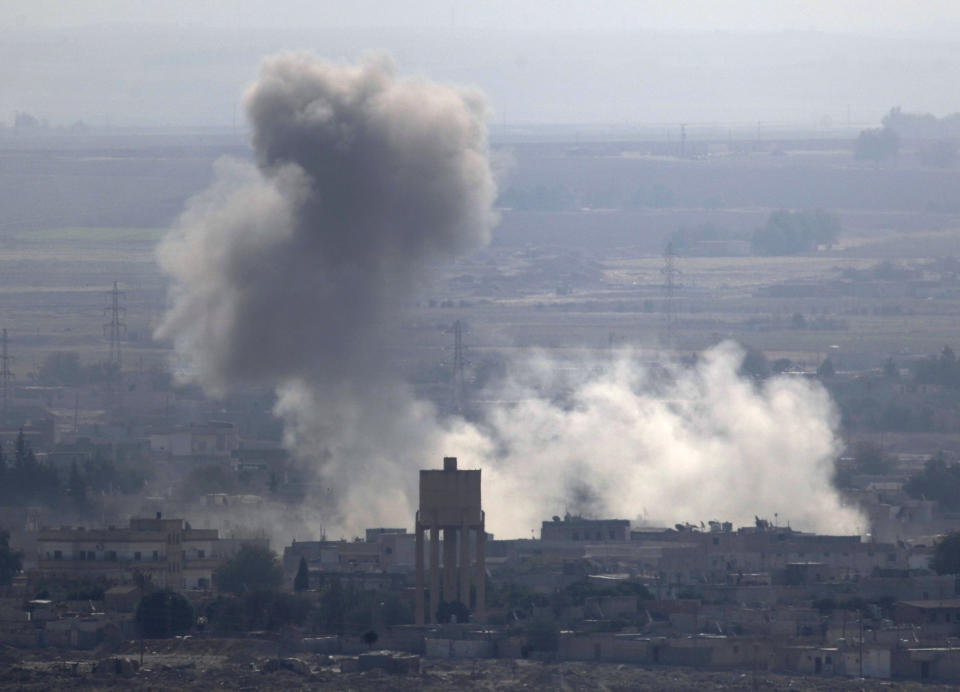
(418, 595)
(465, 565)
(480, 579)
(434, 573)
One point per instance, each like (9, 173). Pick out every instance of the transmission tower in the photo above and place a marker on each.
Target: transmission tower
(670, 286)
(5, 375)
(458, 380)
(116, 328)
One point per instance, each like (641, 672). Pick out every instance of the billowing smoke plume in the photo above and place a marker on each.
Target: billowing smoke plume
(694, 444)
(291, 273)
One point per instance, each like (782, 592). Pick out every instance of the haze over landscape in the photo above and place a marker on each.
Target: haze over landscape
(681, 281)
(816, 63)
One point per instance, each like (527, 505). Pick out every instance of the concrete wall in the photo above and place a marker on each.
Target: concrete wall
(459, 648)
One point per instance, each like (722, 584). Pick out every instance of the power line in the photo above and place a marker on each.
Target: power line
(116, 328)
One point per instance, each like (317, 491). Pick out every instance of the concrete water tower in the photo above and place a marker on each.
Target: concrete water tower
(450, 501)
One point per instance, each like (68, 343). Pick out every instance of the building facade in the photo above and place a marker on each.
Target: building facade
(166, 551)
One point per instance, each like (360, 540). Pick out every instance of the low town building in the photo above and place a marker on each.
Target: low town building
(167, 551)
(577, 528)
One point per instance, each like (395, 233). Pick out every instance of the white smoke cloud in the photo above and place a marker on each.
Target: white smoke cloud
(293, 272)
(625, 441)
(701, 444)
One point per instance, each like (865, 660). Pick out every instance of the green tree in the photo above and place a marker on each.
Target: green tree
(793, 232)
(543, 634)
(61, 367)
(164, 614)
(937, 482)
(20, 450)
(890, 369)
(826, 370)
(11, 561)
(301, 582)
(869, 458)
(943, 370)
(946, 555)
(876, 144)
(253, 568)
(755, 365)
(225, 614)
(781, 365)
(333, 606)
(448, 610)
(269, 610)
(77, 488)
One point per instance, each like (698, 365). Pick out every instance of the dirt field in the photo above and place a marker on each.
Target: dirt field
(241, 667)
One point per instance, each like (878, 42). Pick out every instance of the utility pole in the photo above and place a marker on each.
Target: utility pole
(458, 381)
(5, 374)
(116, 328)
(860, 655)
(670, 285)
(683, 140)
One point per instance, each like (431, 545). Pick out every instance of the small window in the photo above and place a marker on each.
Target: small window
(716, 541)
(201, 553)
(136, 555)
(57, 555)
(156, 555)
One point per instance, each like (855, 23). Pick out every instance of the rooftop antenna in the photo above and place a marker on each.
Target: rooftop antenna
(116, 328)
(670, 285)
(5, 375)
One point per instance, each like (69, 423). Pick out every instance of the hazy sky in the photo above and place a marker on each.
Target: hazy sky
(809, 62)
(857, 16)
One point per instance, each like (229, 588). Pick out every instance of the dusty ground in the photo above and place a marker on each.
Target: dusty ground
(240, 666)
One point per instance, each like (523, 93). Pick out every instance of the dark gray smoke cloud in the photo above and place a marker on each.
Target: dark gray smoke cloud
(290, 270)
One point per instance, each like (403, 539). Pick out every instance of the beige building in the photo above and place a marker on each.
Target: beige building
(168, 551)
(212, 439)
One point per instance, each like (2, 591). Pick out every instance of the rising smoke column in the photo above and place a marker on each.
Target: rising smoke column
(288, 272)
